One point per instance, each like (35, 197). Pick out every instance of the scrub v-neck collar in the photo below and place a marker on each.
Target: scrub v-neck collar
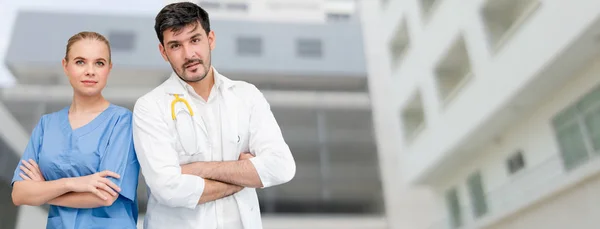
(68, 129)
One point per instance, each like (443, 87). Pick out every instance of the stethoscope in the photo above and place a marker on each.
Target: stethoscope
(185, 126)
(187, 131)
(181, 100)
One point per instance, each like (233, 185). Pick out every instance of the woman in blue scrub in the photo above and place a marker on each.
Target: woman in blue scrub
(81, 160)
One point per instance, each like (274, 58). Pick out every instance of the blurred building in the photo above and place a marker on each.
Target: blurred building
(303, 11)
(487, 113)
(315, 82)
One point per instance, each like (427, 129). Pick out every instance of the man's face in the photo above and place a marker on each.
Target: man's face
(188, 51)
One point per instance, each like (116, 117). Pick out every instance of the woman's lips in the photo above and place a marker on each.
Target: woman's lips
(89, 82)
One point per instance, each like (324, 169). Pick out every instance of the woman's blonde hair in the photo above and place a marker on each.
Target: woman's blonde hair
(87, 35)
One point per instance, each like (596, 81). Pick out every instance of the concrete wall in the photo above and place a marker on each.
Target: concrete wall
(574, 208)
(406, 207)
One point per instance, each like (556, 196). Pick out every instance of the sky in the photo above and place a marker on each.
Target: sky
(9, 9)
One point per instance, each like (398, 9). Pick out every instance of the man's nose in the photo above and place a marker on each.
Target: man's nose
(189, 52)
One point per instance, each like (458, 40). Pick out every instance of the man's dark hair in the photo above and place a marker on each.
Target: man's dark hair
(176, 16)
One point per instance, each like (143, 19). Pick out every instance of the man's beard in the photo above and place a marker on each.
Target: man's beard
(192, 61)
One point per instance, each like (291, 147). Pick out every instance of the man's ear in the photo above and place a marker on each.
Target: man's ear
(212, 40)
(163, 52)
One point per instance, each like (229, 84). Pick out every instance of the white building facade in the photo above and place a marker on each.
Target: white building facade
(486, 113)
(302, 11)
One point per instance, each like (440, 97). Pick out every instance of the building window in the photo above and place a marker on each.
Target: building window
(453, 208)
(477, 194)
(210, 5)
(249, 46)
(515, 162)
(427, 7)
(399, 44)
(311, 48)
(453, 70)
(337, 17)
(237, 6)
(577, 130)
(413, 117)
(502, 18)
(121, 40)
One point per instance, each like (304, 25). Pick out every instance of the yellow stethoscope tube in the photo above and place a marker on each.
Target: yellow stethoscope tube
(179, 99)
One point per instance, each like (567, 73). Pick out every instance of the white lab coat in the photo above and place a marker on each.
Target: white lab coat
(248, 125)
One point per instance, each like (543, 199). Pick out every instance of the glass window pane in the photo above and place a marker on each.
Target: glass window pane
(592, 123)
(477, 195)
(453, 206)
(565, 117)
(590, 100)
(572, 146)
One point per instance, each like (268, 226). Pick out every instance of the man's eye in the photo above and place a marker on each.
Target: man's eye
(196, 40)
(174, 46)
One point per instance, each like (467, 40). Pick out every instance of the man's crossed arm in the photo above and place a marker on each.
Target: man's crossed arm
(224, 178)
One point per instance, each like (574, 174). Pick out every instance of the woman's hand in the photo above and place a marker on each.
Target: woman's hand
(92, 183)
(31, 170)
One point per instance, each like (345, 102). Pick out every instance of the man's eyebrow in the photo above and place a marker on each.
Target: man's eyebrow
(198, 35)
(173, 42)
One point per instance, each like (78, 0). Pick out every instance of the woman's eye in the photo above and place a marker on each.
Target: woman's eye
(79, 62)
(100, 63)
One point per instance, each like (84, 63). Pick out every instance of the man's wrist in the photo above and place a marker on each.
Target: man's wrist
(195, 168)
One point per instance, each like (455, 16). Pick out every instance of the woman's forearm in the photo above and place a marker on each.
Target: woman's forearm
(83, 200)
(36, 193)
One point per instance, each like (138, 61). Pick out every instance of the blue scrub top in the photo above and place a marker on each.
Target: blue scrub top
(105, 143)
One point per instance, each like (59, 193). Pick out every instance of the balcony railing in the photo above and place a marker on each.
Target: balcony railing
(523, 187)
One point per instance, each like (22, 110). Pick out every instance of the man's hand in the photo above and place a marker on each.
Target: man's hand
(240, 172)
(245, 156)
(201, 168)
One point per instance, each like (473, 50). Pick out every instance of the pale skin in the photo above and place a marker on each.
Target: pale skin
(87, 67)
(188, 51)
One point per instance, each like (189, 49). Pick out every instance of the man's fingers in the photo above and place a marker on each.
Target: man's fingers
(245, 156)
(111, 184)
(107, 173)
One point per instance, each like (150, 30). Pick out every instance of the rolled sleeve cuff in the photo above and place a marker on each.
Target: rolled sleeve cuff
(198, 189)
(263, 172)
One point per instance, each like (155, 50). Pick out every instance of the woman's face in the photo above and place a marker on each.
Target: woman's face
(88, 66)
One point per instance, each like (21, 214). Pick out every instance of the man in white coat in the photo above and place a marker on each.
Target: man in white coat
(204, 142)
